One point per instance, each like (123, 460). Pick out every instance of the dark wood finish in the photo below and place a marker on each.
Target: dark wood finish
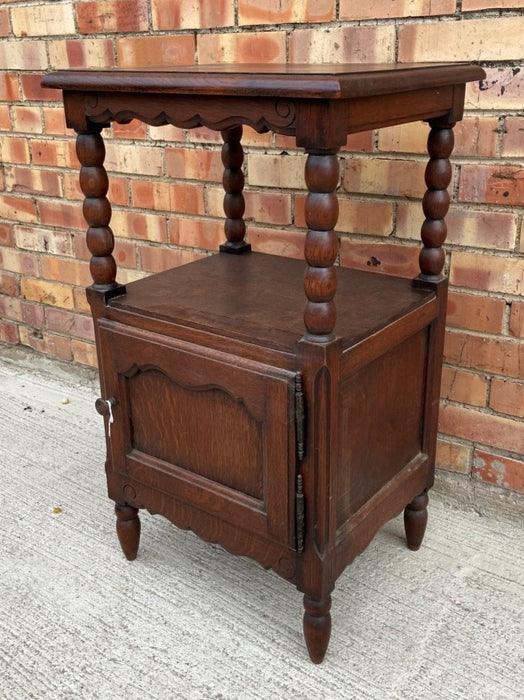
(284, 412)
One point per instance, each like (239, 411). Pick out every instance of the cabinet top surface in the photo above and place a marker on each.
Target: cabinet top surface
(333, 81)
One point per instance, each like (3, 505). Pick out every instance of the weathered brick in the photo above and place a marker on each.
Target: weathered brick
(43, 240)
(497, 469)
(52, 293)
(486, 354)
(507, 397)
(138, 160)
(453, 456)
(134, 130)
(43, 20)
(32, 181)
(54, 121)
(464, 387)
(124, 253)
(18, 208)
(69, 323)
(475, 312)
(268, 207)
(497, 184)
(22, 55)
(516, 320)
(7, 236)
(167, 132)
(9, 332)
(501, 89)
(12, 260)
(131, 224)
(179, 14)
(5, 118)
(284, 242)
(470, 227)
(247, 47)
(280, 12)
(513, 143)
(487, 39)
(14, 149)
(8, 86)
(46, 343)
(62, 270)
(84, 352)
(62, 214)
(143, 51)
(109, 16)
(33, 90)
(476, 137)
(388, 258)
(158, 259)
(400, 178)
(266, 170)
(117, 194)
(360, 44)
(365, 217)
(206, 234)
(384, 9)
(5, 29)
(81, 53)
(162, 196)
(58, 152)
(8, 282)
(481, 427)
(487, 272)
(470, 5)
(28, 119)
(194, 164)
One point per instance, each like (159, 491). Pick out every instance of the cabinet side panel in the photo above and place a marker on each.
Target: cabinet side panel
(381, 423)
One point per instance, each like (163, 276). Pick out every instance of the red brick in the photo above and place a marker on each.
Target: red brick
(84, 353)
(14, 150)
(206, 234)
(194, 164)
(46, 292)
(247, 47)
(277, 12)
(5, 118)
(69, 323)
(476, 136)
(361, 44)
(28, 119)
(390, 259)
(131, 224)
(486, 354)
(32, 181)
(9, 332)
(179, 14)
(159, 51)
(158, 259)
(5, 29)
(507, 397)
(134, 130)
(284, 242)
(17, 208)
(125, 254)
(487, 272)
(23, 311)
(486, 39)
(69, 271)
(54, 121)
(58, 152)
(117, 194)
(15, 261)
(80, 302)
(453, 456)
(481, 427)
(7, 237)
(499, 470)
(112, 16)
(475, 312)
(32, 90)
(8, 282)
(8, 87)
(516, 320)
(496, 184)
(138, 160)
(268, 207)
(364, 142)
(163, 196)
(46, 343)
(62, 214)
(384, 9)
(513, 143)
(81, 53)
(464, 387)
(43, 240)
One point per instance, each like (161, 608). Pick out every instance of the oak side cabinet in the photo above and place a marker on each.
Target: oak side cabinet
(284, 409)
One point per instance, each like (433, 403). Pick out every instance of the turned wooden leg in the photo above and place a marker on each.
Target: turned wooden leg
(233, 181)
(415, 520)
(317, 627)
(128, 530)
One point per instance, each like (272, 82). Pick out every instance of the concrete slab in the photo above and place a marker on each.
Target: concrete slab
(187, 620)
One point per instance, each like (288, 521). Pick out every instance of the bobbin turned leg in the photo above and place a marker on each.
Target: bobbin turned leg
(233, 181)
(415, 520)
(128, 530)
(317, 627)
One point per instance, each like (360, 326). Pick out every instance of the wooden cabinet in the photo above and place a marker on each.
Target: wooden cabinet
(284, 409)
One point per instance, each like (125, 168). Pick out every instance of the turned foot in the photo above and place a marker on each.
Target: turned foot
(128, 529)
(415, 519)
(317, 627)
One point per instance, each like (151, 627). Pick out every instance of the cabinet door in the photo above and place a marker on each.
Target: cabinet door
(210, 429)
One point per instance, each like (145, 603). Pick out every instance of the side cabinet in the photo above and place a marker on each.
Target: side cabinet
(210, 430)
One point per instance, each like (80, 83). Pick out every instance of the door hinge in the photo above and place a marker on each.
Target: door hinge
(299, 514)
(300, 418)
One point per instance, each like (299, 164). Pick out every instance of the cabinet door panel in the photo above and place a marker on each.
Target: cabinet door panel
(213, 430)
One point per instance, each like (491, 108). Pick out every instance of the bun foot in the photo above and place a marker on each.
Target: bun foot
(128, 530)
(317, 627)
(415, 520)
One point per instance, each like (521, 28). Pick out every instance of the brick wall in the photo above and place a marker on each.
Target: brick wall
(43, 257)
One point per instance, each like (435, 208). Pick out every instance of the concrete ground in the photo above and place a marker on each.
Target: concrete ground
(187, 620)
